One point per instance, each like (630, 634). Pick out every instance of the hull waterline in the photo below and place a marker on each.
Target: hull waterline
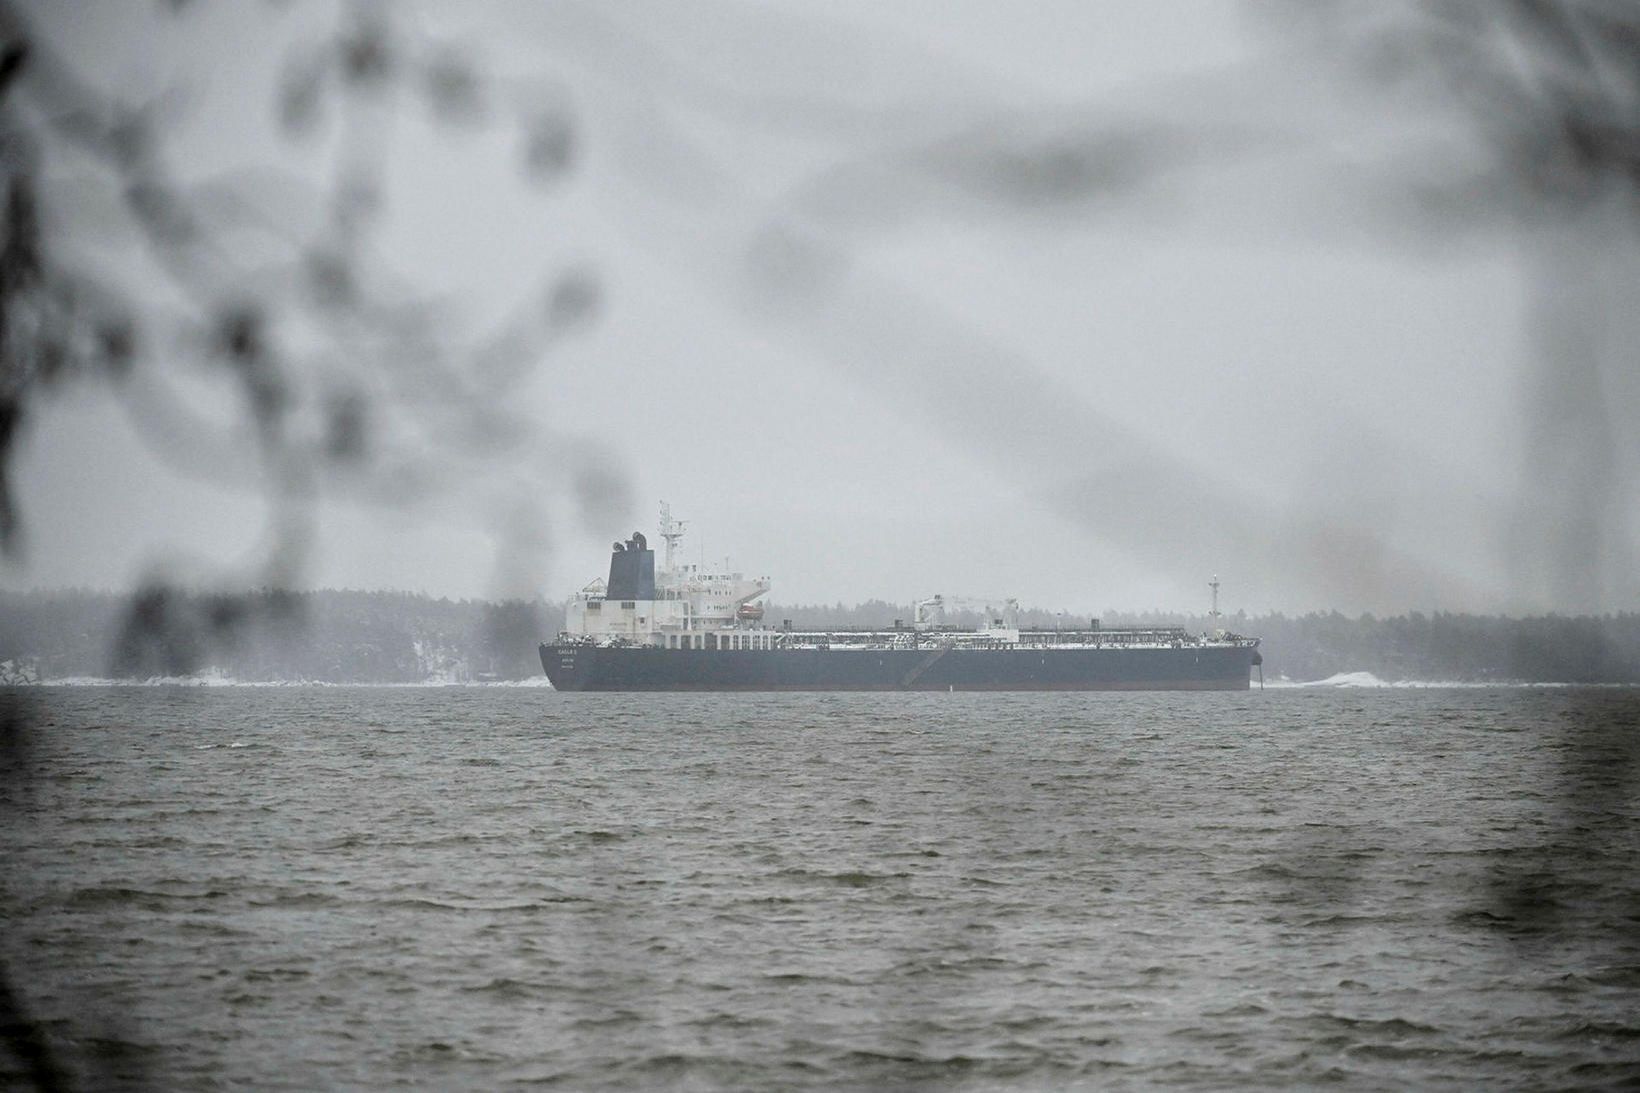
(581, 667)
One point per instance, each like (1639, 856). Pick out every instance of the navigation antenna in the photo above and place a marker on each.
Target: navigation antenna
(1214, 614)
(671, 531)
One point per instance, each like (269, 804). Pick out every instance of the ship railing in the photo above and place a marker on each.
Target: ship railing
(1148, 638)
(962, 639)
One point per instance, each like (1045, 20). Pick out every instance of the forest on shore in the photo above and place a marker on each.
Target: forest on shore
(398, 637)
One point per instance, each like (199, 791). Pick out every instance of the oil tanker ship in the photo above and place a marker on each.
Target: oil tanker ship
(681, 628)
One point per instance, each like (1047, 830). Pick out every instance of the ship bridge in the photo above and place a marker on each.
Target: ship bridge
(641, 605)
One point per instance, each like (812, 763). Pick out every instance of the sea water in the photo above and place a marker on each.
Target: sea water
(471, 888)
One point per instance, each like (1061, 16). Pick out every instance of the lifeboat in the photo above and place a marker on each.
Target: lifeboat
(750, 612)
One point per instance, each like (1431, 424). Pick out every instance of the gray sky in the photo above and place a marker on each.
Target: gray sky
(1079, 308)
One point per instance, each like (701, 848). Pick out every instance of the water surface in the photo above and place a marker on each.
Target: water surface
(472, 888)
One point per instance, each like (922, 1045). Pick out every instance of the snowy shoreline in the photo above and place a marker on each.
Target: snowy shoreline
(223, 681)
(1368, 681)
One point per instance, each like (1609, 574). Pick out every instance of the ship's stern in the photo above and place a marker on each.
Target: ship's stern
(568, 666)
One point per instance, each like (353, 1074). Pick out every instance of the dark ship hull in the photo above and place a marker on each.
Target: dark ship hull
(586, 667)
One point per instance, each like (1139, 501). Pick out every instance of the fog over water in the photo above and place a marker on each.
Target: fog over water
(1081, 308)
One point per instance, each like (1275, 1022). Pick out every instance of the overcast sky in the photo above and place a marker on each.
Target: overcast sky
(1080, 307)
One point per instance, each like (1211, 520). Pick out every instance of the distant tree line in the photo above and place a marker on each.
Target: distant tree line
(400, 637)
(1441, 646)
(323, 637)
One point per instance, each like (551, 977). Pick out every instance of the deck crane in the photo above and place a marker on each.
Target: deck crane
(930, 613)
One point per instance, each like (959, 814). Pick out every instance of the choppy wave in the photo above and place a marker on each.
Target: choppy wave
(1198, 891)
(1341, 680)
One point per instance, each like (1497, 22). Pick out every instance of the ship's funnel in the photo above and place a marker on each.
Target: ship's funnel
(631, 571)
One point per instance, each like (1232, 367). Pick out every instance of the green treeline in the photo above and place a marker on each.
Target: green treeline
(398, 637)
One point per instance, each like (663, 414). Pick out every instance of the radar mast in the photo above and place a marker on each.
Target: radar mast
(671, 531)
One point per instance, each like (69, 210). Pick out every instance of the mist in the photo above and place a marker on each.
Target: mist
(339, 338)
(1336, 303)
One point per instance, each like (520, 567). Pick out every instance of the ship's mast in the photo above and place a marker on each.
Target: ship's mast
(671, 531)
(1214, 614)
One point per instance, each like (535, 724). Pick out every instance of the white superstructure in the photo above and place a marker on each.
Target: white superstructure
(682, 606)
(675, 606)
